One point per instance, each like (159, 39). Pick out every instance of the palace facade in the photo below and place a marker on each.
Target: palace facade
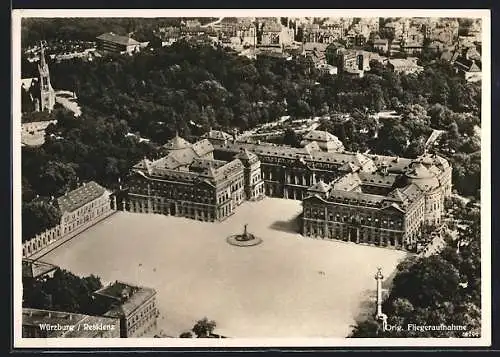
(363, 198)
(190, 182)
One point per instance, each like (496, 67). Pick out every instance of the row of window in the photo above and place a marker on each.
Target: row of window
(146, 313)
(86, 209)
(255, 178)
(363, 236)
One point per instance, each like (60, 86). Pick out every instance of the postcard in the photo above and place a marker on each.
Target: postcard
(257, 178)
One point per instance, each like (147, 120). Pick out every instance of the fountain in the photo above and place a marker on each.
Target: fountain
(245, 239)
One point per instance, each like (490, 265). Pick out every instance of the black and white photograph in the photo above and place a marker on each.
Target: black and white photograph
(251, 178)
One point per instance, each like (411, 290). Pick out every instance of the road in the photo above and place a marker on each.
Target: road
(433, 137)
(270, 131)
(213, 23)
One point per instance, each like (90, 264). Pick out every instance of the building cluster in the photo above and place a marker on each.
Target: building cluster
(130, 311)
(371, 199)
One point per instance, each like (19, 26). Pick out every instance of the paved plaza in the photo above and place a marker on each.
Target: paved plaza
(288, 286)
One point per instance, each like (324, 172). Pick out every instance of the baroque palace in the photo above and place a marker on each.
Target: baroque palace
(371, 199)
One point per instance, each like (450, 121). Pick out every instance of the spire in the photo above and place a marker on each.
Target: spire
(42, 56)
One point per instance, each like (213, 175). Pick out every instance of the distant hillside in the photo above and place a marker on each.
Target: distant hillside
(86, 29)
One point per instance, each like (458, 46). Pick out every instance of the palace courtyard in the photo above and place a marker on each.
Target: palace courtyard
(287, 286)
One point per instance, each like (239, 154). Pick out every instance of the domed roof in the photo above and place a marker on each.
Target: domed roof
(177, 143)
(421, 176)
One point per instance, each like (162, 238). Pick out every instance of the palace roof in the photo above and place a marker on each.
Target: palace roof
(126, 298)
(320, 186)
(422, 177)
(202, 147)
(347, 182)
(177, 143)
(246, 155)
(84, 194)
(320, 135)
(377, 179)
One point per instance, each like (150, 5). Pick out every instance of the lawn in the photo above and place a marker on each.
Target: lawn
(288, 286)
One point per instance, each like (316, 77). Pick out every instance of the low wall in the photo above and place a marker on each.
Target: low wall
(41, 240)
(44, 242)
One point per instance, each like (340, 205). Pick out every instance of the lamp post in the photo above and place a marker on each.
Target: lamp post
(379, 277)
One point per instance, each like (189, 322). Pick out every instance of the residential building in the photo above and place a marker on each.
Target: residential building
(406, 66)
(352, 61)
(111, 42)
(328, 69)
(37, 323)
(316, 52)
(247, 32)
(133, 306)
(381, 44)
(270, 33)
(84, 206)
(469, 69)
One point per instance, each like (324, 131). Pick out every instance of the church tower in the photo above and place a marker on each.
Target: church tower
(47, 94)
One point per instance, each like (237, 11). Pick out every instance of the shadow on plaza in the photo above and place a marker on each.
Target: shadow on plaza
(290, 226)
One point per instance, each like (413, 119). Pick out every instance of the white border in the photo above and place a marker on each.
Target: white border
(57, 343)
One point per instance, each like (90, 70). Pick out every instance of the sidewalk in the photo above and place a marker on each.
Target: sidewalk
(59, 242)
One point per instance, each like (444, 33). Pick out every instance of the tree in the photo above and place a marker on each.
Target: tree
(56, 177)
(204, 328)
(187, 334)
(424, 283)
(291, 138)
(64, 292)
(393, 138)
(367, 328)
(37, 217)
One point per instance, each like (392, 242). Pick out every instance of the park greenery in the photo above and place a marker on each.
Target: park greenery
(63, 291)
(203, 328)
